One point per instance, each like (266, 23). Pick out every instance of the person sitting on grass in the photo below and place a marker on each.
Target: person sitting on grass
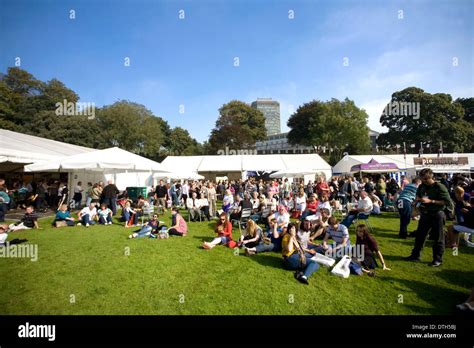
(179, 226)
(251, 236)
(4, 230)
(465, 224)
(364, 207)
(370, 247)
(105, 215)
(319, 225)
(194, 207)
(30, 219)
(295, 258)
(468, 305)
(63, 215)
(129, 215)
(269, 242)
(87, 215)
(224, 233)
(227, 201)
(311, 207)
(339, 234)
(147, 229)
(304, 237)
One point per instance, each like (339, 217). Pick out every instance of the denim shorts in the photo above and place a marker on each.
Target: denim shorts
(225, 240)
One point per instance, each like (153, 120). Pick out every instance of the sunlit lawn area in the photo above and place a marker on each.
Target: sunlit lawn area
(90, 271)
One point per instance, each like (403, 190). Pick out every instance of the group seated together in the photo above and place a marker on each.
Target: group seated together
(309, 225)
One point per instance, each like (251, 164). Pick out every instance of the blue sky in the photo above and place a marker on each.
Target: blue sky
(190, 61)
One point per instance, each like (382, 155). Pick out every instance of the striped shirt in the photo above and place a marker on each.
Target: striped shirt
(408, 193)
(339, 234)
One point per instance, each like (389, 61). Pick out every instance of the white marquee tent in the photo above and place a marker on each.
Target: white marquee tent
(412, 162)
(244, 163)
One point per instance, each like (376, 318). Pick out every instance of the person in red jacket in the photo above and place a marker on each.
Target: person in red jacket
(224, 233)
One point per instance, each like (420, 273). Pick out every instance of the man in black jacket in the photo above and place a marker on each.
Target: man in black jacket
(110, 196)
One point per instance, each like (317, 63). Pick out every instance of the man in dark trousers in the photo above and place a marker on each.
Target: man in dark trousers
(161, 195)
(110, 196)
(433, 198)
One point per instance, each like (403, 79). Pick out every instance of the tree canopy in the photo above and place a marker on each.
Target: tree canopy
(340, 126)
(439, 120)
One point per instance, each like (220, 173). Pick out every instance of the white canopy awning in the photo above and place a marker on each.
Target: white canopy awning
(112, 159)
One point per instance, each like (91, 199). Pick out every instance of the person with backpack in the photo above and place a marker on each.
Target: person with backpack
(433, 198)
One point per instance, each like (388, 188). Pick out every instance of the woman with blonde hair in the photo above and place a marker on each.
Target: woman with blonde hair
(251, 236)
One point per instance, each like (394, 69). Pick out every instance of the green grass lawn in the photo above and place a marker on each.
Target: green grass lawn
(176, 276)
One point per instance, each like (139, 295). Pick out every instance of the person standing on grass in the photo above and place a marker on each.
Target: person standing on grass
(110, 196)
(434, 198)
(405, 206)
(78, 195)
(371, 248)
(224, 233)
(212, 197)
(295, 258)
(179, 226)
(161, 193)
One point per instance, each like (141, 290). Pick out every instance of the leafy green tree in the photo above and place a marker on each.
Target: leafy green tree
(337, 125)
(239, 126)
(131, 126)
(439, 120)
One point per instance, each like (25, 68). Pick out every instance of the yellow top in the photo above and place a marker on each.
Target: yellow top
(285, 243)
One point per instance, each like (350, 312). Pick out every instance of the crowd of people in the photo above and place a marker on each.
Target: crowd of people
(297, 220)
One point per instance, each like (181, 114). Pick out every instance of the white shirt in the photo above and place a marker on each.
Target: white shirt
(88, 211)
(365, 204)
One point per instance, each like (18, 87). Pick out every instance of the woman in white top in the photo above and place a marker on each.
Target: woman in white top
(300, 202)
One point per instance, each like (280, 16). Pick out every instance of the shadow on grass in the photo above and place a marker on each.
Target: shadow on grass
(268, 259)
(464, 279)
(17, 241)
(443, 300)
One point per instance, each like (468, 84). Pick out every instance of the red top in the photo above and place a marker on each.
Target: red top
(225, 231)
(322, 187)
(312, 206)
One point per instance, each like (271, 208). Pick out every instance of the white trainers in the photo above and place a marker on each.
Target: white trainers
(79, 224)
(87, 225)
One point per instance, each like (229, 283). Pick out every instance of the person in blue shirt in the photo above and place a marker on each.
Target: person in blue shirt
(405, 205)
(63, 215)
(4, 202)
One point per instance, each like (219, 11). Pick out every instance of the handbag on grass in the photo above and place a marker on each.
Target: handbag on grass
(60, 223)
(342, 267)
(323, 260)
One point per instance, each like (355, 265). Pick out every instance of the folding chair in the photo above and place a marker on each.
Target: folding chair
(244, 217)
(148, 211)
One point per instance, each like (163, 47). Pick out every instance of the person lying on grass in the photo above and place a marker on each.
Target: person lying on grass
(270, 241)
(251, 236)
(224, 233)
(105, 215)
(64, 215)
(370, 247)
(295, 258)
(150, 227)
(87, 215)
(468, 305)
(179, 226)
(4, 230)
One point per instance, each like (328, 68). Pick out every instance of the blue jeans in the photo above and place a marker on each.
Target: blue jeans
(85, 219)
(293, 262)
(112, 204)
(262, 247)
(144, 231)
(127, 216)
(404, 209)
(103, 220)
